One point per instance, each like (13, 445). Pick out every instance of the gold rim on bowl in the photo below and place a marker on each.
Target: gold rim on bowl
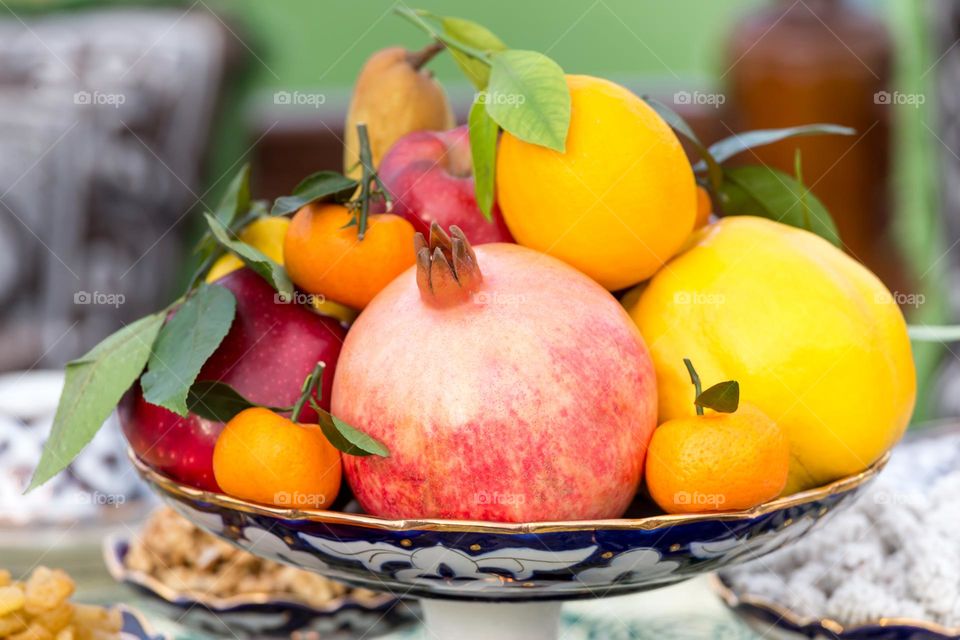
(735, 601)
(648, 523)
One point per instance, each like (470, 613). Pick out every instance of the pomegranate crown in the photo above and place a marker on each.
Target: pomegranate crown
(447, 269)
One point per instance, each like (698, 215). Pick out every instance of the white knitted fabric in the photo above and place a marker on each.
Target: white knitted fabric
(895, 553)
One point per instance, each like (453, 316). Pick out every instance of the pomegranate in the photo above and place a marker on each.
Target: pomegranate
(507, 385)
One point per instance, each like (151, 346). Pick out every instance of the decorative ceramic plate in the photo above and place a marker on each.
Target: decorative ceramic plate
(96, 495)
(907, 472)
(135, 627)
(489, 561)
(260, 614)
(773, 620)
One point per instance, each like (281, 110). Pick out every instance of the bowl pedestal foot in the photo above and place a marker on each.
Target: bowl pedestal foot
(454, 620)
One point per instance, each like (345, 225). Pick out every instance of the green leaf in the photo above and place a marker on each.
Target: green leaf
(934, 333)
(740, 142)
(477, 37)
(184, 344)
(528, 96)
(762, 191)
(483, 149)
(253, 258)
(218, 401)
(798, 174)
(678, 124)
(348, 439)
(315, 187)
(236, 200)
(93, 386)
(723, 397)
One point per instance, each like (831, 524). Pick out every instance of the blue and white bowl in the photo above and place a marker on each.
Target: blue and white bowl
(489, 561)
(774, 620)
(925, 455)
(135, 627)
(260, 614)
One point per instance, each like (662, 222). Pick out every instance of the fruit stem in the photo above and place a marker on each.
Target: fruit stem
(695, 379)
(417, 59)
(366, 161)
(367, 180)
(310, 386)
(416, 17)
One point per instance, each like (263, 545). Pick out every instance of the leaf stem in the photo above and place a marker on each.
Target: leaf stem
(204, 267)
(934, 333)
(307, 391)
(416, 18)
(695, 379)
(366, 160)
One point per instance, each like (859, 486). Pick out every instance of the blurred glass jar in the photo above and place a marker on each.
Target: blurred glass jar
(793, 63)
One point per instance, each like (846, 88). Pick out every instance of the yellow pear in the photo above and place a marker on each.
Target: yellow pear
(394, 96)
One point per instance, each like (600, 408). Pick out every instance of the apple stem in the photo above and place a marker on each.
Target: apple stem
(695, 379)
(310, 387)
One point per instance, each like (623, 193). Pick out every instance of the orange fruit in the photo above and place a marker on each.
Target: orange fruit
(324, 256)
(267, 235)
(717, 461)
(704, 208)
(617, 203)
(263, 457)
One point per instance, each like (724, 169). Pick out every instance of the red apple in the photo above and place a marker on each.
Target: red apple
(429, 176)
(270, 349)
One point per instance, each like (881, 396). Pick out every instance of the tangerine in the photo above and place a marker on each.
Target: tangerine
(324, 254)
(264, 457)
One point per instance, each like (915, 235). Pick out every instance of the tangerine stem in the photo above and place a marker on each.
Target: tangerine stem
(366, 161)
(310, 385)
(695, 379)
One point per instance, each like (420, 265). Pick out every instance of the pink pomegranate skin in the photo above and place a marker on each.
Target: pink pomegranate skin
(533, 399)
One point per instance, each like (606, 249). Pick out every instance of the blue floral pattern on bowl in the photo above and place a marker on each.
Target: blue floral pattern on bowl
(507, 562)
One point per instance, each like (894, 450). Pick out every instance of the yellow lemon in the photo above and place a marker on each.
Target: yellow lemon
(265, 234)
(617, 204)
(815, 340)
(341, 312)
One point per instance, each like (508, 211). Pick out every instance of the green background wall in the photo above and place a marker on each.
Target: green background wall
(307, 43)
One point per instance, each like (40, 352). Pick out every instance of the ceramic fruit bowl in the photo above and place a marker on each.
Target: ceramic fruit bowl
(456, 566)
(260, 614)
